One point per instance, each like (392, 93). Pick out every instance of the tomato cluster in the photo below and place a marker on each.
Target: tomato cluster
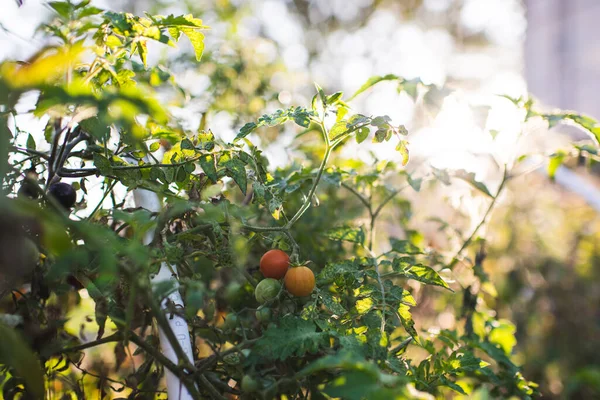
(299, 280)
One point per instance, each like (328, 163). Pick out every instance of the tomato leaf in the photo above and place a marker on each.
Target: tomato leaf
(293, 337)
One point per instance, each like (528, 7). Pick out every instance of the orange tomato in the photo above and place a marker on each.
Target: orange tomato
(300, 281)
(274, 264)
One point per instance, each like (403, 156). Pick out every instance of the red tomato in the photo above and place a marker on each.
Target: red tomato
(300, 281)
(274, 264)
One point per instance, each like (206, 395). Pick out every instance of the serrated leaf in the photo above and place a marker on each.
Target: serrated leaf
(404, 247)
(332, 305)
(207, 162)
(419, 272)
(348, 234)
(196, 39)
(237, 170)
(102, 163)
(246, 130)
(293, 337)
(407, 322)
(156, 173)
(186, 144)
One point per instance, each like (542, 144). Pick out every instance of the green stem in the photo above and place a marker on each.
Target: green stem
(467, 242)
(311, 193)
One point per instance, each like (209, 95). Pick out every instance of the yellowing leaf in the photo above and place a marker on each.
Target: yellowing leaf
(49, 65)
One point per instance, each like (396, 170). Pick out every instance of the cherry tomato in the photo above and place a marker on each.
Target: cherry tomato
(249, 384)
(300, 281)
(266, 290)
(231, 322)
(264, 314)
(274, 264)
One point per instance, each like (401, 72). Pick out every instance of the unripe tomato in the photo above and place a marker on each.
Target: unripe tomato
(233, 293)
(266, 290)
(231, 322)
(264, 314)
(249, 384)
(300, 281)
(274, 264)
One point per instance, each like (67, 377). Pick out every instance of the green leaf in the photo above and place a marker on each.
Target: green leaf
(415, 183)
(372, 81)
(419, 272)
(207, 162)
(407, 322)
(30, 142)
(103, 164)
(237, 170)
(446, 382)
(338, 129)
(142, 49)
(332, 305)
(404, 247)
(554, 162)
(15, 353)
(348, 234)
(63, 8)
(186, 144)
(154, 147)
(362, 134)
(246, 130)
(334, 98)
(469, 177)
(293, 337)
(321, 93)
(196, 39)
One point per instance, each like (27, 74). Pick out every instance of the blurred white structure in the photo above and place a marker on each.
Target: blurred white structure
(562, 53)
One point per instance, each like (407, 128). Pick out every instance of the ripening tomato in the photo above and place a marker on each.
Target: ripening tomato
(274, 264)
(266, 290)
(300, 281)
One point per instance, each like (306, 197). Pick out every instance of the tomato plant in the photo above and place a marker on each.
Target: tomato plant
(345, 330)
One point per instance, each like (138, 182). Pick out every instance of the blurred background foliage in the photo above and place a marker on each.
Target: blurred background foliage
(542, 243)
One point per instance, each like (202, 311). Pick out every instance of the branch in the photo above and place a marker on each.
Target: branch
(467, 242)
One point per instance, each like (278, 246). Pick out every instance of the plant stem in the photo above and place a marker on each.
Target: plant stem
(161, 358)
(311, 193)
(467, 242)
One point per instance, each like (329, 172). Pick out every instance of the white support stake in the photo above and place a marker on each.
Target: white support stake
(175, 388)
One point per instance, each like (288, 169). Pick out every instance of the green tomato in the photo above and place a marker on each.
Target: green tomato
(231, 322)
(264, 314)
(233, 293)
(266, 290)
(249, 384)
